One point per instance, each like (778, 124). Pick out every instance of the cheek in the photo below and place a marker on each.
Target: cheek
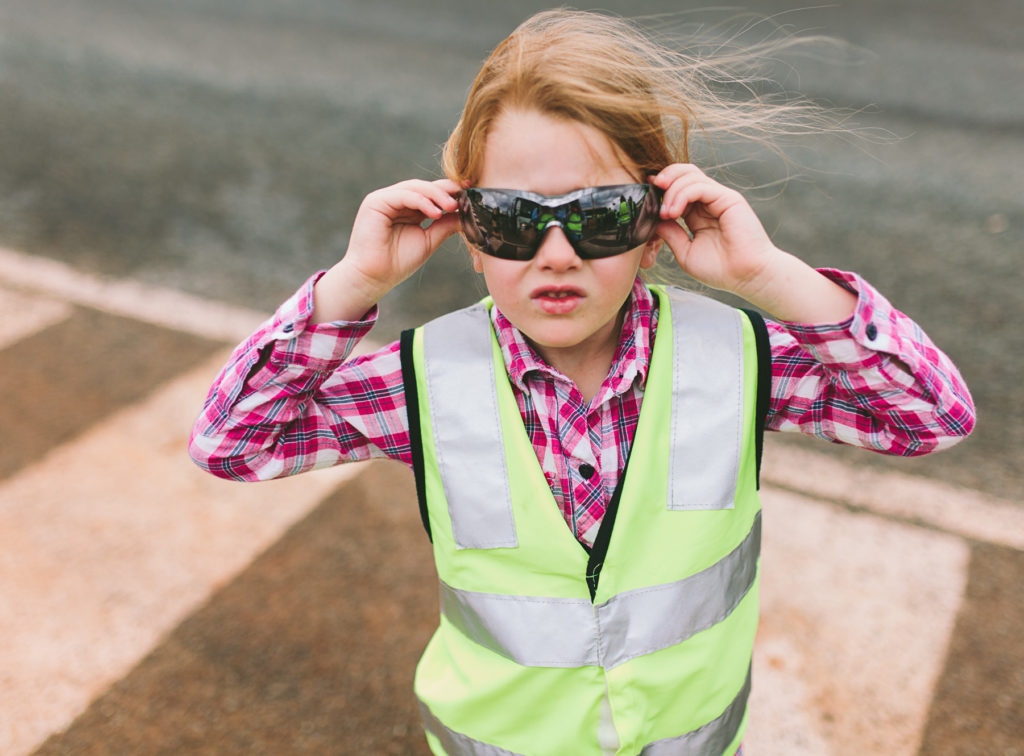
(503, 279)
(621, 271)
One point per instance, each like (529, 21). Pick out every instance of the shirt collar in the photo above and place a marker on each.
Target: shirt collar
(632, 353)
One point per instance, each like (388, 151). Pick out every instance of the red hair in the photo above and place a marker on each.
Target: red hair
(646, 97)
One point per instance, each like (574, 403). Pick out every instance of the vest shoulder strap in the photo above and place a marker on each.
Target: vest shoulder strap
(707, 399)
(764, 381)
(412, 404)
(460, 376)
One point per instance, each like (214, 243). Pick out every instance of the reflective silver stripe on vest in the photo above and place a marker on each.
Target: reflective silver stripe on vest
(707, 402)
(455, 743)
(645, 620)
(708, 740)
(536, 631)
(468, 443)
(532, 630)
(713, 738)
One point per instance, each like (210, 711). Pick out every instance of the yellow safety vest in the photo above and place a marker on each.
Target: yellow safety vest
(641, 646)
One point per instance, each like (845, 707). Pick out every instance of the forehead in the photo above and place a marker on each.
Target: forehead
(532, 151)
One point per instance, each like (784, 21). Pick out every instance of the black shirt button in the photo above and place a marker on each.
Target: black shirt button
(587, 471)
(871, 331)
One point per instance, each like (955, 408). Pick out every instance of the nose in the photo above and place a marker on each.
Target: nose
(555, 252)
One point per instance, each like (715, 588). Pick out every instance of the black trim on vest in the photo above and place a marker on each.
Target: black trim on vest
(412, 409)
(599, 550)
(764, 382)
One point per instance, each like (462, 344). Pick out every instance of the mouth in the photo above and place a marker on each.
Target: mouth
(557, 300)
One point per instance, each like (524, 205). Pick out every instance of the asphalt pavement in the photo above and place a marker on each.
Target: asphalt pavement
(169, 172)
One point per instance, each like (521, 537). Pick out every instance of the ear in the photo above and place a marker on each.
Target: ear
(650, 253)
(476, 256)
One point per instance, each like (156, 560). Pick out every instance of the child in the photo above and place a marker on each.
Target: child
(587, 606)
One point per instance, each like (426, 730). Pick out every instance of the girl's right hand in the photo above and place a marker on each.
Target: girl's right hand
(387, 245)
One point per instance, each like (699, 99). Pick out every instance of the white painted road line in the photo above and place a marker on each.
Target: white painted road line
(905, 497)
(21, 315)
(856, 616)
(109, 542)
(151, 304)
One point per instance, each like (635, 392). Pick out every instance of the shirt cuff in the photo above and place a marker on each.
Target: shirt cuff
(295, 342)
(861, 339)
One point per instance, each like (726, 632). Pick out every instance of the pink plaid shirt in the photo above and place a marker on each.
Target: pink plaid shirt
(287, 401)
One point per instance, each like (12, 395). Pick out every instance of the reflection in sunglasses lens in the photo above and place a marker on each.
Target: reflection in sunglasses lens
(599, 221)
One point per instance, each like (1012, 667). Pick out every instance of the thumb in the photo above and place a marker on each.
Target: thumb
(675, 236)
(441, 229)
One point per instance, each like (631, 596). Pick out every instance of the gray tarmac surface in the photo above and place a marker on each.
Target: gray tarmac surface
(222, 148)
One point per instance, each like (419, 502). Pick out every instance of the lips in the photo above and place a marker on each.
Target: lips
(557, 300)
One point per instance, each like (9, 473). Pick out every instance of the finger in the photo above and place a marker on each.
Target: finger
(423, 200)
(443, 192)
(448, 186)
(675, 180)
(698, 217)
(441, 229)
(676, 237)
(704, 194)
(670, 173)
(685, 183)
(682, 194)
(414, 194)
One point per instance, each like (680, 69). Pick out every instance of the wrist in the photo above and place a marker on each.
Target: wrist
(792, 291)
(764, 282)
(345, 293)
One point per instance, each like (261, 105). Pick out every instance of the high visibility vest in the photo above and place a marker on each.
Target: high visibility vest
(625, 213)
(574, 222)
(642, 645)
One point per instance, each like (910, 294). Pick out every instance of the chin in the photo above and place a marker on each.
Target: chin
(556, 340)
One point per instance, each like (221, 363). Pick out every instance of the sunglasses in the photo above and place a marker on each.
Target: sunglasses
(599, 221)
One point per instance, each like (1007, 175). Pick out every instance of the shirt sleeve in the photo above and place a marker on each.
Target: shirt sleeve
(289, 399)
(875, 381)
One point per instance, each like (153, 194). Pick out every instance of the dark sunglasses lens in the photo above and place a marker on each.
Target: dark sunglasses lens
(619, 218)
(599, 222)
(489, 223)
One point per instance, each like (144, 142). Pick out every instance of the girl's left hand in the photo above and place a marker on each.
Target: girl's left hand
(730, 250)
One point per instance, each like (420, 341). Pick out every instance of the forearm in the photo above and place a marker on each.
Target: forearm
(792, 291)
(343, 293)
(287, 401)
(277, 425)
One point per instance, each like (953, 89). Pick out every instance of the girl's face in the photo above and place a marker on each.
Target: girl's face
(567, 307)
